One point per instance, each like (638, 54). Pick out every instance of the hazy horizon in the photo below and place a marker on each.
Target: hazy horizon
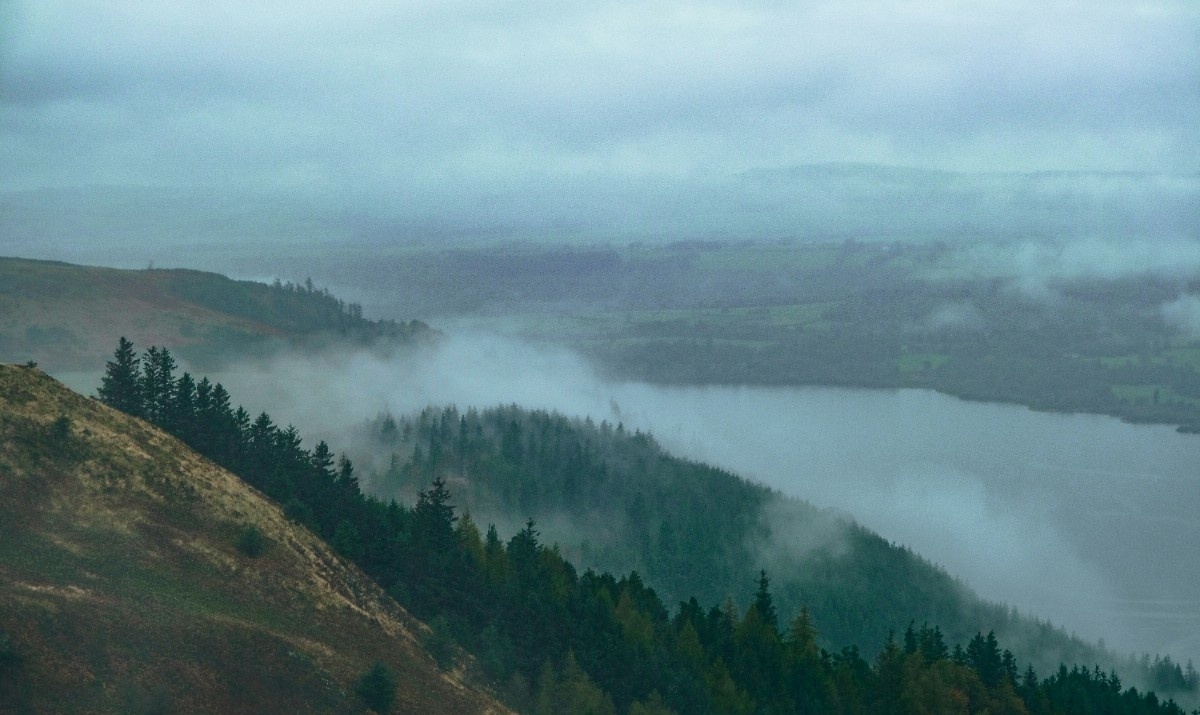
(128, 133)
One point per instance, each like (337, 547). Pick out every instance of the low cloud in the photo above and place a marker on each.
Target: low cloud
(1038, 269)
(1183, 315)
(961, 315)
(992, 493)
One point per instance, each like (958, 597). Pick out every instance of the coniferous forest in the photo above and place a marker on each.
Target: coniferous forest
(617, 501)
(550, 639)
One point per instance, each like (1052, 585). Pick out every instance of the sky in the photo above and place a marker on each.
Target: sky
(223, 122)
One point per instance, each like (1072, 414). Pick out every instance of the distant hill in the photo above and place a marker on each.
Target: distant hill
(1050, 326)
(136, 576)
(63, 316)
(616, 501)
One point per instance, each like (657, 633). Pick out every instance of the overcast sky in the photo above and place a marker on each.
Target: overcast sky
(528, 118)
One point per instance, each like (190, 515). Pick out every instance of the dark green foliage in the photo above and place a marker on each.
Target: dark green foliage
(347, 541)
(983, 655)
(555, 640)
(377, 688)
(251, 541)
(10, 657)
(570, 691)
(439, 643)
(121, 386)
(139, 700)
(299, 512)
(60, 429)
(158, 386)
(763, 604)
(690, 529)
(294, 307)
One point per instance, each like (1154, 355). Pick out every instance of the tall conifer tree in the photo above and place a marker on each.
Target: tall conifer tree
(121, 385)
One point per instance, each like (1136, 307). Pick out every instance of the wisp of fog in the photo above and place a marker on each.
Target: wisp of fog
(1079, 519)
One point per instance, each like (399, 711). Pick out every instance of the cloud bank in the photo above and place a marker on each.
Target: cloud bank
(570, 119)
(1183, 314)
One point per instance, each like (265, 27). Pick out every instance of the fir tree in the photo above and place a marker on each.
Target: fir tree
(121, 385)
(158, 384)
(764, 603)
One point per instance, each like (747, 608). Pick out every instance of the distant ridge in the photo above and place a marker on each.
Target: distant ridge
(63, 316)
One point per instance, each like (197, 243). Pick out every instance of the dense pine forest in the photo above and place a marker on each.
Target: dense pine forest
(554, 640)
(617, 501)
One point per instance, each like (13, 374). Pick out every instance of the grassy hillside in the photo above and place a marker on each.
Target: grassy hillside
(63, 316)
(126, 584)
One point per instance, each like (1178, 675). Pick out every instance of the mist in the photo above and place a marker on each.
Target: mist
(1056, 226)
(1088, 258)
(129, 133)
(1183, 314)
(1079, 519)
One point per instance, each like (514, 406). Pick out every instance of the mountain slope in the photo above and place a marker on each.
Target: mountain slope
(63, 316)
(617, 501)
(126, 585)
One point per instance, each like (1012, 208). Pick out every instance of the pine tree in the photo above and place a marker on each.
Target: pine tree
(802, 637)
(180, 418)
(983, 655)
(158, 384)
(121, 385)
(434, 524)
(764, 603)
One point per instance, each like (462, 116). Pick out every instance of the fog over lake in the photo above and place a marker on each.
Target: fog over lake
(1080, 519)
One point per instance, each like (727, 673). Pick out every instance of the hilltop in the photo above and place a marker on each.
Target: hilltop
(63, 315)
(138, 576)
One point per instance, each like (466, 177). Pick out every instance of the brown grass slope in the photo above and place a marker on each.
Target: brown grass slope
(68, 317)
(64, 316)
(122, 589)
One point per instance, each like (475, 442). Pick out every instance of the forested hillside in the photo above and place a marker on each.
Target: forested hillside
(554, 640)
(64, 316)
(617, 501)
(138, 577)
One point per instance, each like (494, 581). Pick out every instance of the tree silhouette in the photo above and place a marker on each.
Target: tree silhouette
(121, 385)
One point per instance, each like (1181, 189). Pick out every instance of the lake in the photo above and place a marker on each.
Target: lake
(1083, 520)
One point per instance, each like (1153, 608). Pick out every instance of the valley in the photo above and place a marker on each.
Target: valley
(903, 477)
(619, 358)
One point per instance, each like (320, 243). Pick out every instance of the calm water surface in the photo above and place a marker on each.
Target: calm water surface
(1082, 519)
